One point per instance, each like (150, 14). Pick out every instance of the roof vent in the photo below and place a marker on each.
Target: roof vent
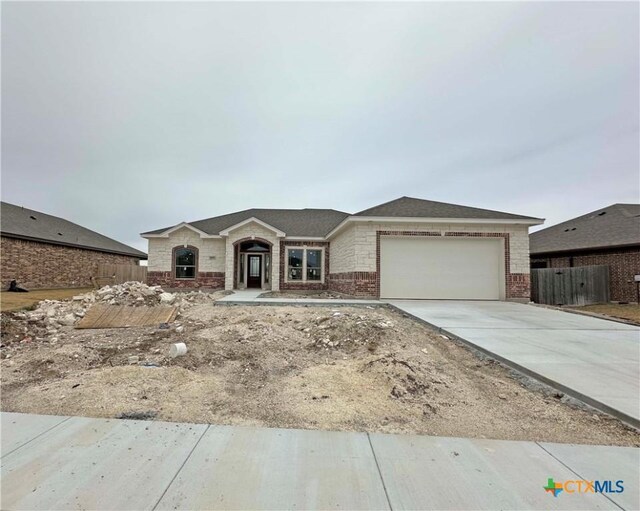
(32, 217)
(602, 213)
(59, 234)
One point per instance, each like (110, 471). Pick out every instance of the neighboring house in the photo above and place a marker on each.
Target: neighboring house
(44, 251)
(609, 236)
(406, 248)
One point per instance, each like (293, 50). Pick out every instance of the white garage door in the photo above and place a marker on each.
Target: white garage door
(442, 268)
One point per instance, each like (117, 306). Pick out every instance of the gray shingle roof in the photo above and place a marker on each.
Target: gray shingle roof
(19, 222)
(410, 207)
(294, 222)
(614, 226)
(319, 222)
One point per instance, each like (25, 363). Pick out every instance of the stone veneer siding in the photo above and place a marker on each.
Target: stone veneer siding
(249, 231)
(236, 259)
(301, 286)
(39, 265)
(623, 263)
(351, 257)
(210, 261)
(363, 263)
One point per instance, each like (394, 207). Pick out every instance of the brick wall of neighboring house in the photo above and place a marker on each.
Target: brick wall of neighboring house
(303, 286)
(623, 263)
(37, 265)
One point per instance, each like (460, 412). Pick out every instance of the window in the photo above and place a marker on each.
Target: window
(314, 264)
(304, 265)
(295, 258)
(185, 263)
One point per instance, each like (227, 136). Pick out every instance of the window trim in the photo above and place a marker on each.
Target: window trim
(196, 254)
(304, 249)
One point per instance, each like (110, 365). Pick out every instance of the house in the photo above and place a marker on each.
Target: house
(406, 248)
(609, 236)
(45, 251)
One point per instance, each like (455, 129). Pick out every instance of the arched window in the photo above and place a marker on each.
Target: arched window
(185, 263)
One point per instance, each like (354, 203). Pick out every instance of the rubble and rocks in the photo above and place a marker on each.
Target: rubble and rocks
(52, 319)
(347, 331)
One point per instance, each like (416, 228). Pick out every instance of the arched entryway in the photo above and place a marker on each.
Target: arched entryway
(253, 264)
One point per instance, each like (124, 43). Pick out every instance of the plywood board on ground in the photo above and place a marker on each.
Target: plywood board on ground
(122, 316)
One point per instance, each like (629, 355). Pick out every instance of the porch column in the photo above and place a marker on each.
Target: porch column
(228, 265)
(275, 265)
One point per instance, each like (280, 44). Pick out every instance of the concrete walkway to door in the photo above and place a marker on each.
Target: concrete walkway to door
(595, 360)
(252, 297)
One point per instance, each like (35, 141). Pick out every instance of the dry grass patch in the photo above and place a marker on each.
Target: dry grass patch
(630, 311)
(16, 301)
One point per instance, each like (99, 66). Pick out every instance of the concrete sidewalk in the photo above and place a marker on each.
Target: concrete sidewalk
(595, 360)
(53, 462)
(251, 297)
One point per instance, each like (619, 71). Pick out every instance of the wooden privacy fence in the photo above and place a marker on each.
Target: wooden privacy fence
(118, 273)
(580, 285)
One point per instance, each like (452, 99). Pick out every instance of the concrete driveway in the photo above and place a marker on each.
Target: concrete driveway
(595, 360)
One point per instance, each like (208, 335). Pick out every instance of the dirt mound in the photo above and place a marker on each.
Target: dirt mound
(348, 331)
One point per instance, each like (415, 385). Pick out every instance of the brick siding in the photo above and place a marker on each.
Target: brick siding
(37, 265)
(368, 283)
(204, 279)
(302, 286)
(623, 265)
(355, 283)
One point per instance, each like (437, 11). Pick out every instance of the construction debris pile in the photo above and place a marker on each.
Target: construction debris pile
(53, 318)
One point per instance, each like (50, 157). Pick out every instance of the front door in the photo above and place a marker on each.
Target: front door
(254, 271)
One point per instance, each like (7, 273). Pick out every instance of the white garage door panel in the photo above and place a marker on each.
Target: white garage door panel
(442, 268)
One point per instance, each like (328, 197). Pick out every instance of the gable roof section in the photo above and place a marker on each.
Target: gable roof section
(254, 220)
(617, 225)
(408, 207)
(19, 222)
(292, 222)
(164, 233)
(319, 223)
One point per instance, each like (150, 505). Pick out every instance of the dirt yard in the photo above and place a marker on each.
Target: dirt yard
(630, 311)
(340, 368)
(17, 301)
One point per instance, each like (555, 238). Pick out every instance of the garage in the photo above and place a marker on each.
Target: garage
(442, 268)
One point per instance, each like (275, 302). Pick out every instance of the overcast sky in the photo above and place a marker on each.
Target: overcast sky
(127, 117)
